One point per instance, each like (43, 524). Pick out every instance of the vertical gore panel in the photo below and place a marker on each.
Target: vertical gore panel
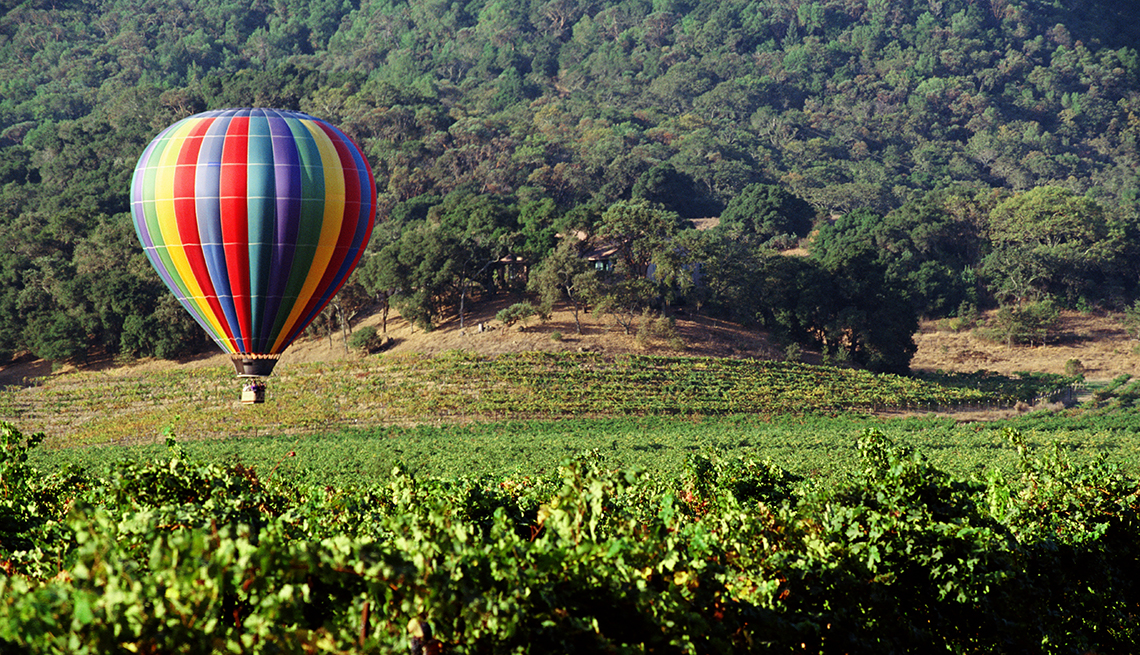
(311, 209)
(329, 231)
(289, 189)
(149, 193)
(351, 229)
(233, 208)
(186, 210)
(261, 194)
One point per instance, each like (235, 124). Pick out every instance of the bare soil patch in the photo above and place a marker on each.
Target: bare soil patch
(482, 334)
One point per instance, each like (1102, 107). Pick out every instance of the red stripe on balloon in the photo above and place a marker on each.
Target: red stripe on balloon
(186, 215)
(235, 224)
(364, 211)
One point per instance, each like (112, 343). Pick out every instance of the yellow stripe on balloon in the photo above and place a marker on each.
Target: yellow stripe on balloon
(330, 228)
(168, 226)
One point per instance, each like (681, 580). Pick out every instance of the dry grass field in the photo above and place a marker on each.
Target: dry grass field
(1099, 342)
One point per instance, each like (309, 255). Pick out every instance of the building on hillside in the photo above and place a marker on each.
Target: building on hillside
(603, 256)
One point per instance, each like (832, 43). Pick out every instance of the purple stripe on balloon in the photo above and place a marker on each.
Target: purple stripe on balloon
(137, 199)
(287, 176)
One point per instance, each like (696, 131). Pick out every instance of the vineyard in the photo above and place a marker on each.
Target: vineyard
(493, 510)
(458, 386)
(821, 449)
(730, 555)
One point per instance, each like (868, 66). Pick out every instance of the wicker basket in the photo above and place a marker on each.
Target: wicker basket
(252, 396)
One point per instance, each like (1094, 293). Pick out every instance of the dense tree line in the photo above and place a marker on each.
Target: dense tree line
(930, 142)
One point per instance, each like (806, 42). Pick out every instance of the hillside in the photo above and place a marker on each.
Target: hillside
(541, 116)
(1099, 342)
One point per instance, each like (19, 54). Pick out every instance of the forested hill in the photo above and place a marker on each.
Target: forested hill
(847, 104)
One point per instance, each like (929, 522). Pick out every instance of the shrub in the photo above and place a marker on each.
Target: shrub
(1074, 368)
(1132, 320)
(967, 318)
(793, 352)
(367, 340)
(1028, 324)
(516, 313)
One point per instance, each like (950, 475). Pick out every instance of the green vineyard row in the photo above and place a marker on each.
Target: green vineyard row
(459, 386)
(728, 555)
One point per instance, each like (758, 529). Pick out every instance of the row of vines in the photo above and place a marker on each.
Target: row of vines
(175, 555)
(94, 407)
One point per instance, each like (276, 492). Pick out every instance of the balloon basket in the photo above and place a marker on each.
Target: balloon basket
(253, 392)
(253, 368)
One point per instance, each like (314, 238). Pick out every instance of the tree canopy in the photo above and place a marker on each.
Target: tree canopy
(545, 115)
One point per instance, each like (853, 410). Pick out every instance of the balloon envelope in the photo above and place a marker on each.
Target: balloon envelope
(254, 218)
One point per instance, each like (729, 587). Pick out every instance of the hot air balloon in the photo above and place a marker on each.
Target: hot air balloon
(254, 218)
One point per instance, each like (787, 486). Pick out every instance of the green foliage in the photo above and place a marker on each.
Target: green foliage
(638, 231)
(516, 313)
(59, 338)
(675, 191)
(556, 111)
(94, 408)
(366, 339)
(1021, 387)
(1074, 368)
(926, 250)
(966, 318)
(1028, 324)
(28, 507)
(849, 310)
(174, 554)
(1049, 243)
(793, 352)
(1132, 320)
(563, 275)
(625, 300)
(764, 211)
